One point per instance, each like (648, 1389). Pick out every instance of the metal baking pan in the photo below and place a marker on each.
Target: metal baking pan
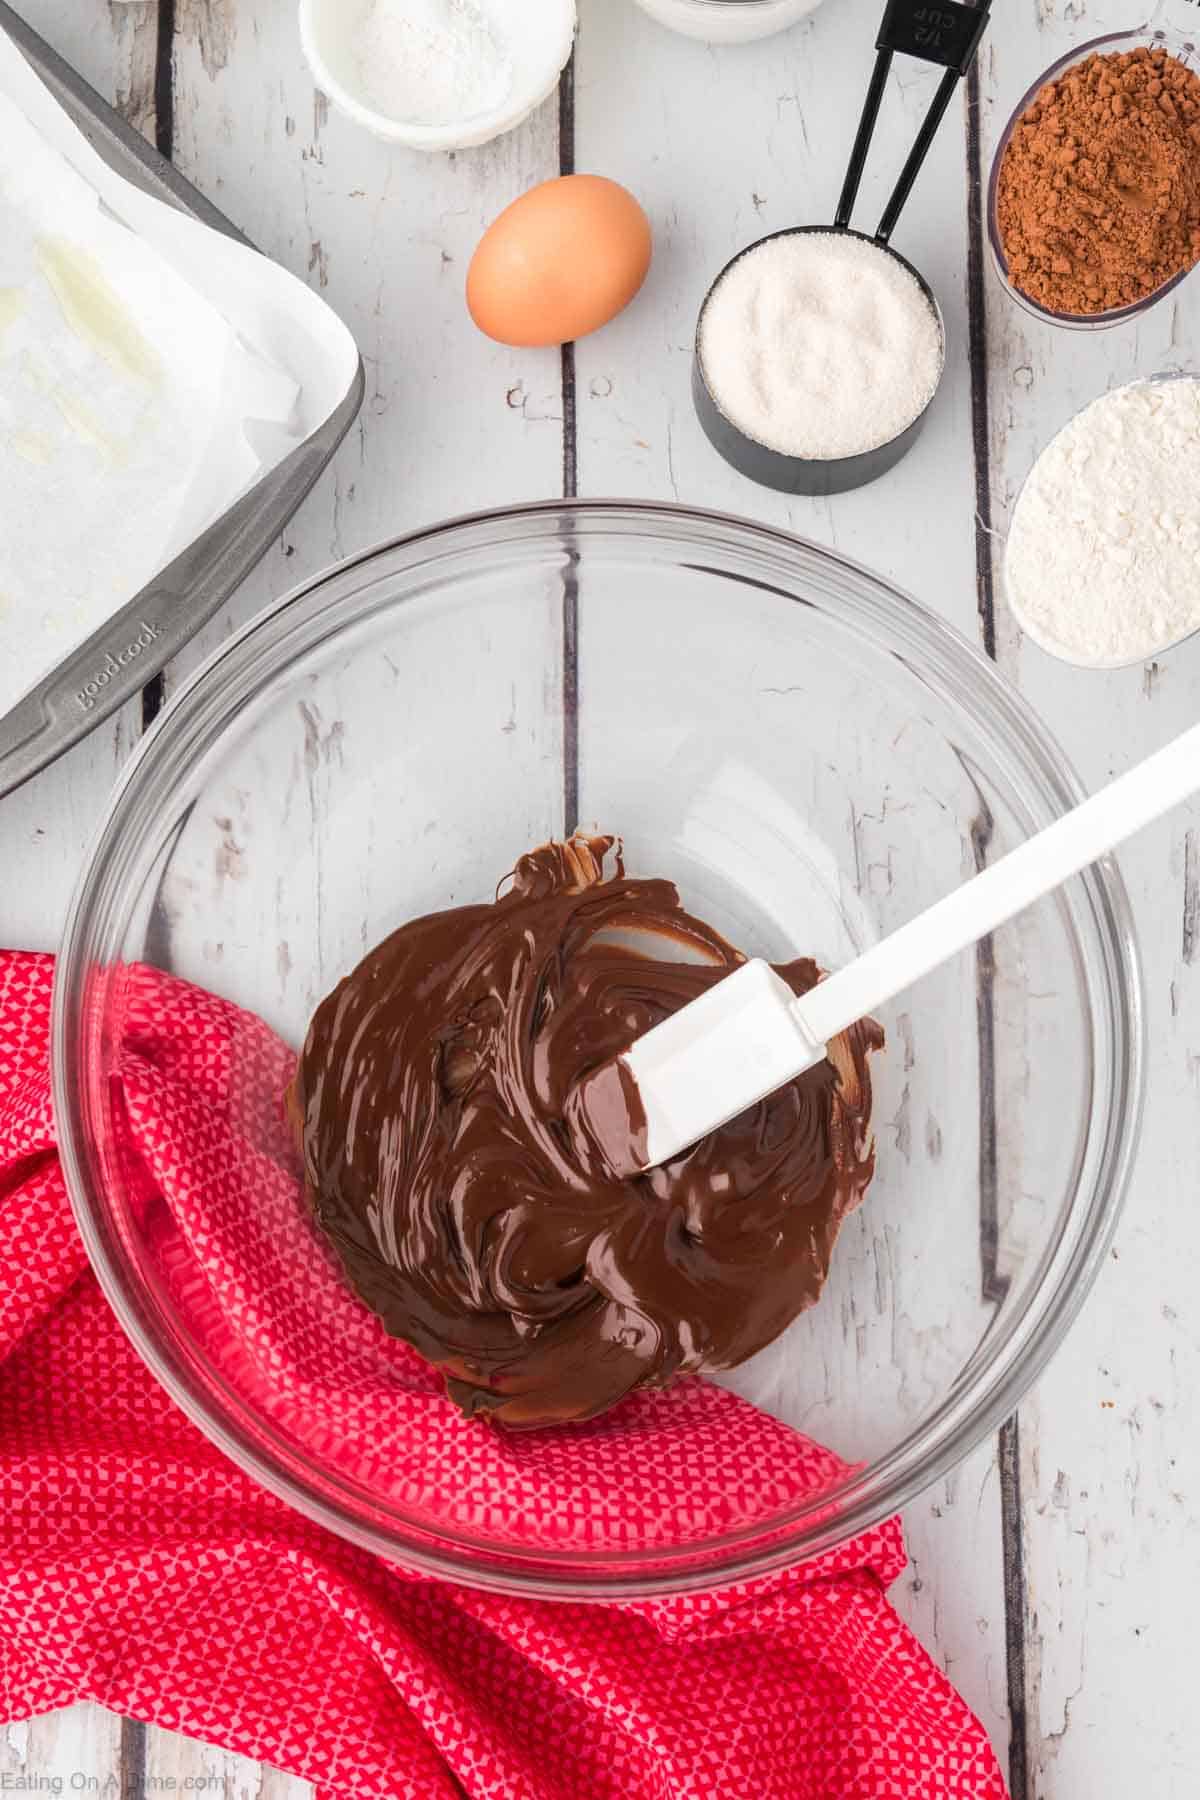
(97, 679)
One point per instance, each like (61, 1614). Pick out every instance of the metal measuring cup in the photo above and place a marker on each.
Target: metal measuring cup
(947, 34)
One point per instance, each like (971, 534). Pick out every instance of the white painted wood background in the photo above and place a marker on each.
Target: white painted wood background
(1057, 1575)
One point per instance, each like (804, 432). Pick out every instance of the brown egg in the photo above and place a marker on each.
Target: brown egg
(561, 261)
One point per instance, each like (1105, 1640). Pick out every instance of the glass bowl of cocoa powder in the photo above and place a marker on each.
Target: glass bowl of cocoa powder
(1094, 198)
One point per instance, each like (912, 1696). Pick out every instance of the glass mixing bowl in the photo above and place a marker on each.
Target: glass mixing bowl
(1163, 32)
(813, 758)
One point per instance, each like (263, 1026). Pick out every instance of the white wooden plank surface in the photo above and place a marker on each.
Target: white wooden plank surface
(721, 146)
(181, 1765)
(1110, 1451)
(79, 1744)
(451, 422)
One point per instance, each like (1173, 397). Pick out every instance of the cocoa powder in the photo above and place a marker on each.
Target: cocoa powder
(1099, 192)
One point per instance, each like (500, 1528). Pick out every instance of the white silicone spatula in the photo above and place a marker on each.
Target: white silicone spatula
(750, 1035)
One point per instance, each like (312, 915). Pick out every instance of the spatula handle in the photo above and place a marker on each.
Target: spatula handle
(989, 900)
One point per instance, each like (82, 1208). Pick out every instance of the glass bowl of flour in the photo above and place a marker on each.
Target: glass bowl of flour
(1102, 563)
(437, 74)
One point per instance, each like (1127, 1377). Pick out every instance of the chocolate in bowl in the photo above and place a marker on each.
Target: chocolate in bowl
(811, 758)
(448, 1156)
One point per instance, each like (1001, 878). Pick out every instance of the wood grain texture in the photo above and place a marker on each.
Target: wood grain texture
(76, 1751)
(1110, 1464)
(1091, 1513)
(451, 422)
(180, 1765)
(727, 147)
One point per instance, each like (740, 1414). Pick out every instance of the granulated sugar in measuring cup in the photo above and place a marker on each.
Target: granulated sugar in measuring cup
(821, 345)
(819, 350)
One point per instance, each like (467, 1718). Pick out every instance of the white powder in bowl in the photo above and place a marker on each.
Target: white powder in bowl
(1103, 558)
(431, 62)
(820, 344)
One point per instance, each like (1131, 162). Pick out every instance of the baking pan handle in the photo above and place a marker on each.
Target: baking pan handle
(136, 643)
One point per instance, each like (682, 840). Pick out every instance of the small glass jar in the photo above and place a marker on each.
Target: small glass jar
(1174, 28)
(728, 21)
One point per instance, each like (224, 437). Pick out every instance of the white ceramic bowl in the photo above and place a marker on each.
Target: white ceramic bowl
(728, 21)
(540, 34)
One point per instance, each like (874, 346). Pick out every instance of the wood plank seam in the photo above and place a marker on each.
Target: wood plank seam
(1015, 1610)
(133, 1732)
(164, 81)
(1011, 1524)
(977, 324)
(570, 488)
(154, 692)
(133, 1759)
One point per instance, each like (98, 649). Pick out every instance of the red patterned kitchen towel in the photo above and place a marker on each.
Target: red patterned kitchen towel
(141, 1569)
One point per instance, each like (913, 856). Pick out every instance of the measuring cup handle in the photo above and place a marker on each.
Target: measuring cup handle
(947, 34)
(916, 157)
(862, 139)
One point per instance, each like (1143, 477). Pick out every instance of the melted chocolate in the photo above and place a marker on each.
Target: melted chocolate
(447, 1156)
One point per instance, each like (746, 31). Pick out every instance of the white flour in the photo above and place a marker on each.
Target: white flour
(820, 345)
(1103, 559)
(432, 62)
